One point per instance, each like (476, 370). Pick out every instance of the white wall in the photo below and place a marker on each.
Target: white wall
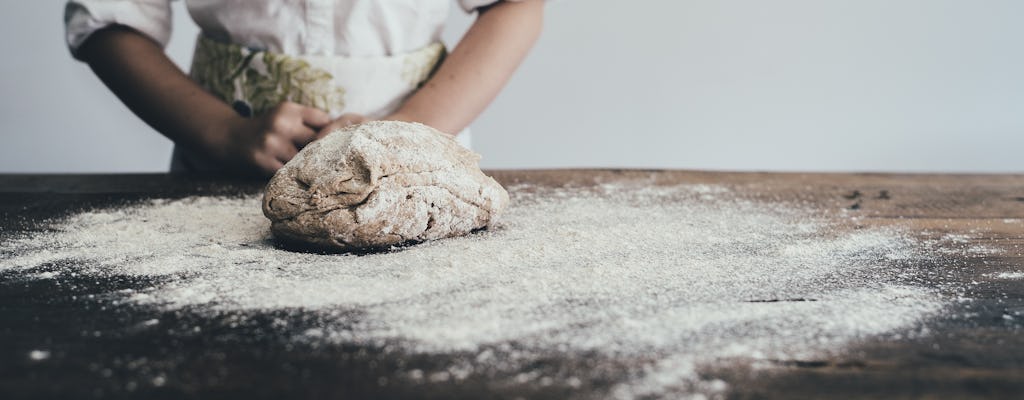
(868, 85)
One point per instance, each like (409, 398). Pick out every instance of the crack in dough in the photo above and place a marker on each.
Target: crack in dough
(379, 184)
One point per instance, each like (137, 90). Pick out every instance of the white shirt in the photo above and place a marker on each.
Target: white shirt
(350, 28)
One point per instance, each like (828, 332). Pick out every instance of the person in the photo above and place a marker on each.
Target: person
(269, 77)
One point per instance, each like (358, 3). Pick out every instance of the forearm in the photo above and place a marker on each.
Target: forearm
(140, 74)
(476, 70)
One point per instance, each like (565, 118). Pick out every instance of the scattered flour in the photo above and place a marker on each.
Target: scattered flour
(670, 278)
(38, 355)
(1009, 275)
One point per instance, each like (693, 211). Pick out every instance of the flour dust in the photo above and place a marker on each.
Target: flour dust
(660, 280)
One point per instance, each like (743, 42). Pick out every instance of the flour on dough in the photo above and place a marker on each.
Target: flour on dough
(378, 184)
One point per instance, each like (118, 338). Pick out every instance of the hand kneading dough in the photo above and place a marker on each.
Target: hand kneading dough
(378, 184)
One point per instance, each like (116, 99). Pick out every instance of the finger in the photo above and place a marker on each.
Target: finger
(268, 165)
(315, 118)
(333, 126)
(281, 148)
(288, 111)
(277, 147)
(352, 119)
(342, 122)
(300, 136)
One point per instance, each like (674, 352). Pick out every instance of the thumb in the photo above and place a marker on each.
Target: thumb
(340, 123)
(358, 118)
(315, 118)
(350, 119)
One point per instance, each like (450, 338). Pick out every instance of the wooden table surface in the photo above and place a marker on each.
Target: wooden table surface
(975, 351)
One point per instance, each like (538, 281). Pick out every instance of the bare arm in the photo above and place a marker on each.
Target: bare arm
(136, 69)
(476, 70)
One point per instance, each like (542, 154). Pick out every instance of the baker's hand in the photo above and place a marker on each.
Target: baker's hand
(265, 143)
(342, 121)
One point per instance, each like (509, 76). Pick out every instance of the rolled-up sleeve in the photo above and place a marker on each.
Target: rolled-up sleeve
(472, 5)
(82, 18)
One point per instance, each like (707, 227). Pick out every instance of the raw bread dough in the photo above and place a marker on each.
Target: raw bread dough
(378, 184)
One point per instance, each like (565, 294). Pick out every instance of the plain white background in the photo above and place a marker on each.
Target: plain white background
(840, 85)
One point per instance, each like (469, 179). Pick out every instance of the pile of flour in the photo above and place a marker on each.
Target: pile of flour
(669, 278)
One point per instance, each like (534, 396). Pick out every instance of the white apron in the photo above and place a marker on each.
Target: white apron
(253, 81)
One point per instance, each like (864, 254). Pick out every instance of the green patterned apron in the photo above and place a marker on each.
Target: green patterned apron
(254, 81)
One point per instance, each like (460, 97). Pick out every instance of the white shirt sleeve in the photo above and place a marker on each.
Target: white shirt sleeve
(82, 18)
(472, 5)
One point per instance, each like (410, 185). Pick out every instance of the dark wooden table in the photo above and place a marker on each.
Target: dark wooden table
(977, 351)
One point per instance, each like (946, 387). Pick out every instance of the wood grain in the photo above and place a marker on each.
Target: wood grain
(976, 350)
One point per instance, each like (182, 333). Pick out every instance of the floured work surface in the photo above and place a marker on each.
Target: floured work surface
(597, 284)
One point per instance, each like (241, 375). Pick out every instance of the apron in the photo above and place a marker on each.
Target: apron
(253, 81)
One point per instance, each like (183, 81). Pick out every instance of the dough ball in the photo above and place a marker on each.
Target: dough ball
(379, 184)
